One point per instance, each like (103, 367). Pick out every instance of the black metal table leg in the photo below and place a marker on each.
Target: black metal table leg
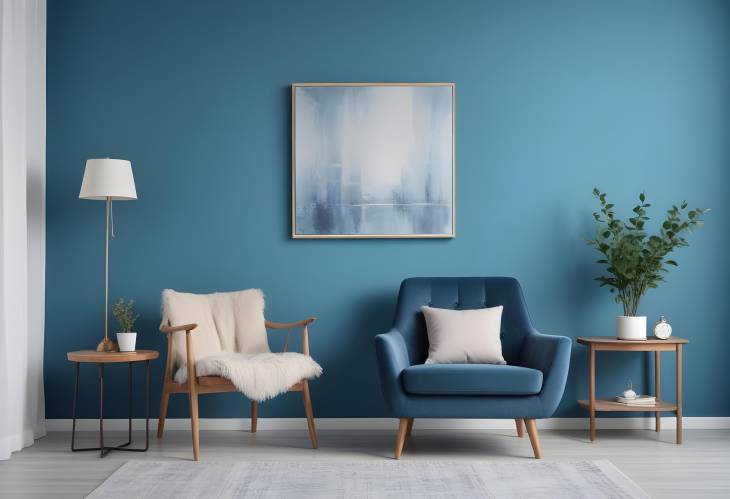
(129, 389)
(104, 450)
(73, 410)
(147, 407)
(101, 409)
(131, 411)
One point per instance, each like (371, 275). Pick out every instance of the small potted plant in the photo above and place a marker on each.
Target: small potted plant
(635, 260)
(124, 313)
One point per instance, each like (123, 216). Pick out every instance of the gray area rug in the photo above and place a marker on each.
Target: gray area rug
(518, 479)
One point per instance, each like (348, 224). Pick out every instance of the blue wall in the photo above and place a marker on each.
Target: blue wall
(553, 98)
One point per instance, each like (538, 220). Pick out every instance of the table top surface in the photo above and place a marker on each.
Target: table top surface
(111, 357)
(613, 341)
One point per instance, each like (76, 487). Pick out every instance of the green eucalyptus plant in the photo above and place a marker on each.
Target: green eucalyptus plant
(124, 313)
(635, 260)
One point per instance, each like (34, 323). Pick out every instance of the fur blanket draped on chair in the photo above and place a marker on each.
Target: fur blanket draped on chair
(231, 341)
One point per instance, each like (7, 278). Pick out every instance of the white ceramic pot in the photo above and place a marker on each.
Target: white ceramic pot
(631, 328)
(127, 341)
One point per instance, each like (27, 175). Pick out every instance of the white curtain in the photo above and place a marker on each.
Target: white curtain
(22, 221)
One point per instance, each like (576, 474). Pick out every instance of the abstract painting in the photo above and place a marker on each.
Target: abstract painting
(372, 160)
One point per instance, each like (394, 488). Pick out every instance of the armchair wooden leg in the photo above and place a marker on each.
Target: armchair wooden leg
(401, 439)
(409, 429)
(254, 415)
(163, 413)
(194, 424)
(534, 438)
(520, 428)
(310, 414)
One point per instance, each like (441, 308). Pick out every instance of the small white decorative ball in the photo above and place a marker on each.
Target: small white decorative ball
(662, 329)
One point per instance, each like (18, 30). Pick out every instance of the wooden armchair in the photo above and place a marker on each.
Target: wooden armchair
(196, 385)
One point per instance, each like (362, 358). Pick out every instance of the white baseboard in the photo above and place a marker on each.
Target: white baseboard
(668, 423)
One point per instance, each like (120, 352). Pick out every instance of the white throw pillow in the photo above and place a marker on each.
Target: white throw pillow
(464, 336)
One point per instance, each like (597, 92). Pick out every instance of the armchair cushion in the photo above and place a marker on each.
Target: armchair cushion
(471, 379)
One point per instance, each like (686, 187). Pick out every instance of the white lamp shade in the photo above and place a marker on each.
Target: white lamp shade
(108, 178)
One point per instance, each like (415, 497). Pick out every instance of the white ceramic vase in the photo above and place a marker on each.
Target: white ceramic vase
(631, 328)
(127, 341)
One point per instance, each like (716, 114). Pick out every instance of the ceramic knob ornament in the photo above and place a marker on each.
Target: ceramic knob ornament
(662, 329)
(629, 393)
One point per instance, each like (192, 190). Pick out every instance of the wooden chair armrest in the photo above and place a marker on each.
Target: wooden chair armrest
(175, 329)
(289, 325)
(190, 359)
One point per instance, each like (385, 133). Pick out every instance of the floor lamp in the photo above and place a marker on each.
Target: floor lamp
(108, 180)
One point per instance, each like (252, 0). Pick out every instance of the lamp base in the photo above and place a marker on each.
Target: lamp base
(107, 345)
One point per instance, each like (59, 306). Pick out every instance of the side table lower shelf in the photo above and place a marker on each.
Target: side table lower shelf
(609, 405)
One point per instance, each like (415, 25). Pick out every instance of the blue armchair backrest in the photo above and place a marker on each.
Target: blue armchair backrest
(461, 293)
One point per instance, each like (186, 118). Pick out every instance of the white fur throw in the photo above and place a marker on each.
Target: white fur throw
(259, 376)
(231, 341)
(227, 322)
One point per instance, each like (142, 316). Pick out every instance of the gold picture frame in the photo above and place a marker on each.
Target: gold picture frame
(452, 205)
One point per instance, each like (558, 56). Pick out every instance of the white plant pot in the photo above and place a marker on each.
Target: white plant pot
(631, 328)
(127, 341)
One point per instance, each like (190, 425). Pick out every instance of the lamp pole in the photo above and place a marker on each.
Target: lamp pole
(106, 344)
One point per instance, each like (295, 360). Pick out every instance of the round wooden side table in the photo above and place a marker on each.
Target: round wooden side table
(101, 359)
(651, 344)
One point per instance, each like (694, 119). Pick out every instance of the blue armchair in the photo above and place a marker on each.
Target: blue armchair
(529, 387)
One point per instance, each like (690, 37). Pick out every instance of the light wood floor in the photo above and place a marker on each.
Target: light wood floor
(699, 468)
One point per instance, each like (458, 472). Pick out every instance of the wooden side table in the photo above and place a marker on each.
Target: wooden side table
(101, 359)
(611, 344)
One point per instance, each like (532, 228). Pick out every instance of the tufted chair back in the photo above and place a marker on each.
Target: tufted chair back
(461, 293)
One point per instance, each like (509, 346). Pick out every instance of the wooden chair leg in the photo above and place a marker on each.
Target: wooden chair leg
(254, 415)
(310, 414)
(534, 438)
(401, 439)
(409, 429)
(195, 424)
(520, 428)
(163, 413)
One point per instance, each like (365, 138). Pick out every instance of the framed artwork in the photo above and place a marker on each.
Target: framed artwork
(373, 160)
